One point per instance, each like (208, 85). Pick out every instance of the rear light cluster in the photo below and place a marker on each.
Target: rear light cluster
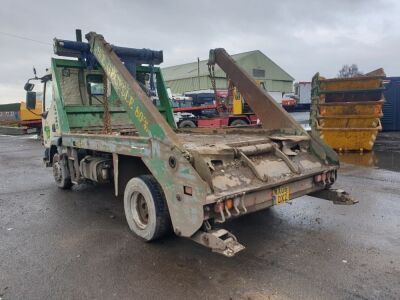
(325, 178)
(229, 207)
(227, 204)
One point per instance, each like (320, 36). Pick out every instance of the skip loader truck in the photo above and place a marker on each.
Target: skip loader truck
(100, 124)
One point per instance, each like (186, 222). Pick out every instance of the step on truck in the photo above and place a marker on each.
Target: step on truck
(100, 124)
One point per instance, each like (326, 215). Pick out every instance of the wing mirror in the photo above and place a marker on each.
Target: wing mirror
(28, 86)
(30, 100)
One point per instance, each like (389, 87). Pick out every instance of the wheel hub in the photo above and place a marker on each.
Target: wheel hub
(140, 210)
(57, 171)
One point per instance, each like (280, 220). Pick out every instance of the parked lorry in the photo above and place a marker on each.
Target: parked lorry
(302, 90)
(189, 180)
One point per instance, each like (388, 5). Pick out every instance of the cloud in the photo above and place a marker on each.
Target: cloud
(301, 36)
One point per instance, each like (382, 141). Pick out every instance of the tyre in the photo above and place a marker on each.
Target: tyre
(61, 173)
(187, 124)
(145, 208)
(239, 122)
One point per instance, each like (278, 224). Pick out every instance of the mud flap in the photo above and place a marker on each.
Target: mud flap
(337, 196)
(219, 241)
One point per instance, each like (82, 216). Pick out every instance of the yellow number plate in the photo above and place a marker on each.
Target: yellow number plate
(280, 195)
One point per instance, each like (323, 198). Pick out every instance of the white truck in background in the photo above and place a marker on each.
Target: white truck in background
(302, 91)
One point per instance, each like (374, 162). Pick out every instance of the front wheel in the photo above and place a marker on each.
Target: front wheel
(61, 173)
(145, 208)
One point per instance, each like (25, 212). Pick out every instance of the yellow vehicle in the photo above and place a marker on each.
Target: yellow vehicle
(31, 118)
(16, 114)
(238, 102)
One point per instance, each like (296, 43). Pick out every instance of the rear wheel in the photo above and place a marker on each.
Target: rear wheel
(239, 122)
(145, 208)
(187, 124)
(61, 173)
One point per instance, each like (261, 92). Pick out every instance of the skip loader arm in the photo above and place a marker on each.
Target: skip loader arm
(147, 120)
(266, 108)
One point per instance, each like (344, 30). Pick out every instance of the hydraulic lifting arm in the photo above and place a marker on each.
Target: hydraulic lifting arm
(147, 120)
(267, 110)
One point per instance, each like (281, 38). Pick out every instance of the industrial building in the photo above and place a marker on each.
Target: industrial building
(195, 76)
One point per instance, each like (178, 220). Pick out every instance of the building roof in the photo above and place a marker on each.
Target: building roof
(250, 59)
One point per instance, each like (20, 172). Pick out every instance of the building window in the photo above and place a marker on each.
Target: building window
(259, 73)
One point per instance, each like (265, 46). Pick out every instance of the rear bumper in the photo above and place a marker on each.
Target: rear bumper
(264, 199)
(257, 200)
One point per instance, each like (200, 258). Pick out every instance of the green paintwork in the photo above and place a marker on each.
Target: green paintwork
(68, 63)
(143, 120)
(83, 120)
(91, 109)
(81, 116)
(136, 146)
(165, 104)
(61, 114)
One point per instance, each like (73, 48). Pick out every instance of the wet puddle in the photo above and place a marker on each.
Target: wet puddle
(388, 160)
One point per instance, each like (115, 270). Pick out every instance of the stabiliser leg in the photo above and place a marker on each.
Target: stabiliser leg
(218, 240)
(337, 196)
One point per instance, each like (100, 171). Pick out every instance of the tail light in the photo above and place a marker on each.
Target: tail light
(229, 203)
(327, 177)
(219, 206)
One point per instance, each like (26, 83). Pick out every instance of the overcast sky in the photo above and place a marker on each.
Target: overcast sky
(303, 37)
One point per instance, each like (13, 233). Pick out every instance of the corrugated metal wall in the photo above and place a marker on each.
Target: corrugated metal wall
(391, 107)
(181, 86)
(183, 78)
(279, 86)
(257, 60)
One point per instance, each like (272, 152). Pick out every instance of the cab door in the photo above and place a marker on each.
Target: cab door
(49, 120)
